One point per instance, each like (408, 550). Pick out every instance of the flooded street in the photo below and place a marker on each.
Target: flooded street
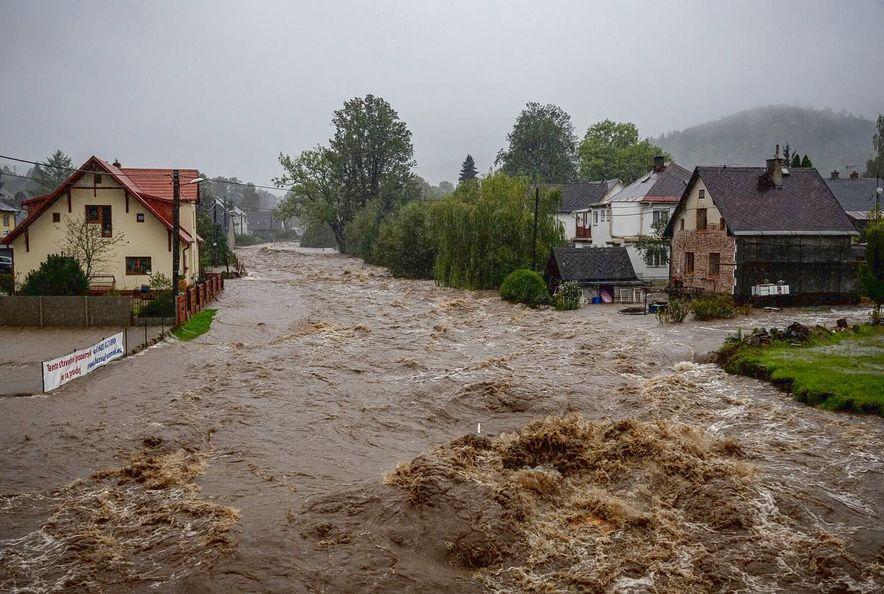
(256, 458)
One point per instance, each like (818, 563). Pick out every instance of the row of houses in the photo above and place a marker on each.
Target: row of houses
(745, 231)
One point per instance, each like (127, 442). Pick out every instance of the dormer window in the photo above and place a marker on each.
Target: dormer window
(702, 194)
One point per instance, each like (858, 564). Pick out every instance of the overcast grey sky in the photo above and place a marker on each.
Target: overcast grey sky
(225, 86)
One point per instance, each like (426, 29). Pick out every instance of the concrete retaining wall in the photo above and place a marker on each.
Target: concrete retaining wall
(27, 310)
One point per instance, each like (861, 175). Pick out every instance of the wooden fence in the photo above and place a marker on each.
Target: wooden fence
(197, 297)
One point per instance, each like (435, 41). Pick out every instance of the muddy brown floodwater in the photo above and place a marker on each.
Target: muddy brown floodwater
(342, 430)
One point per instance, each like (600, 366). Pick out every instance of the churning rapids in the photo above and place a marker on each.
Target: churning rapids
(324, 436)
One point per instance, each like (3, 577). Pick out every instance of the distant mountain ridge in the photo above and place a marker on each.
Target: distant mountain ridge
(833, 140)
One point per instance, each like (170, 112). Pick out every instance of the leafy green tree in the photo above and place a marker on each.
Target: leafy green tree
(54, 170)
(318, 236)
(875, 165)
(467, 170)
(57, 275)
(214, 249)
(796, 160)
(805, 161)
(406, 244)
(612, 150)
(871, 275)
(484, 231)
(541, 145)
(369, 159)
(249, 200)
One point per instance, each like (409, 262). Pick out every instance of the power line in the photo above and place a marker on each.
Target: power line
(166, 175)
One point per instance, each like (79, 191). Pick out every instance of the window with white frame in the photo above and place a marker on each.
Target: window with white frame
(661, 217)
(656, 260)
(595, 217)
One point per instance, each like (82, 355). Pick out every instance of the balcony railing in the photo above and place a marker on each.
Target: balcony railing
(583, 232)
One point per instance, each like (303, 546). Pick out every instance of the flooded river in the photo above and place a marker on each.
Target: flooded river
(259, 456)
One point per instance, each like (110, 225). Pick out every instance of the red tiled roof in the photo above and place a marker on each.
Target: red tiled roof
(158, 182)
(159, 206)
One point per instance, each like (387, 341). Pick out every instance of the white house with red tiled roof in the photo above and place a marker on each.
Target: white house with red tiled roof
(130, 203)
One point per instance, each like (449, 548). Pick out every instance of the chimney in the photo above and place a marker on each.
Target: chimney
(854, 175)
(835, 175)
(117, 163)
(775, 169)
(659, 163)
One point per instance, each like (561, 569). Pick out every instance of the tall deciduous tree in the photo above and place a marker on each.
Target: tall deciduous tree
(875, 165)
(54, 170)
(467, 170)
(541, 145)
(369, 159)
(613, 150)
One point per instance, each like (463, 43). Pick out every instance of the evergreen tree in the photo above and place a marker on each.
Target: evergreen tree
(796, 160)
(805, 161)
(467, 170)
(787, 154)
(54, 170)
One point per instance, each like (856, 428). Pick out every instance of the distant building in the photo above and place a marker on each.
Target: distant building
(605, 273)
(132, 202)
(640, 209)
(856, 195)
(574, 209)
(753, 231)
(8, 213)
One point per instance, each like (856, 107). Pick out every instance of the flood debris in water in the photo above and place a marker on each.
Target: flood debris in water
(143, 521)
(567, 504)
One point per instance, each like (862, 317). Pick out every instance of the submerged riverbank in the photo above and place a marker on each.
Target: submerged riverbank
(282, 428)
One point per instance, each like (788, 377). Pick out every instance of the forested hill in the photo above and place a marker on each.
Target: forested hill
(831, 140)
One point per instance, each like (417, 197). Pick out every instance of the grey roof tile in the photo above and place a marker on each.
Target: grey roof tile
(594, 264)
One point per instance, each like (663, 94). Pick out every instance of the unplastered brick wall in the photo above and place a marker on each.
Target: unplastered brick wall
(701, 244)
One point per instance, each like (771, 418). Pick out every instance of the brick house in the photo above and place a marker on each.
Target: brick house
(741, 230)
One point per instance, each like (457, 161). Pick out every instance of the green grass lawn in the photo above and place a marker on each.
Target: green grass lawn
(195, 326)
(844, 371)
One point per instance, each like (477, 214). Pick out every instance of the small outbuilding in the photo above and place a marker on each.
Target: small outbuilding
(605, 273)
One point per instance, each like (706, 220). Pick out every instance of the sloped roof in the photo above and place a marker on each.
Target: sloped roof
(158, 182)
(663, 186)
(750, 204)
(6, 207)
(582, 195)
(594, 264)
(160, 207)
(854, 195)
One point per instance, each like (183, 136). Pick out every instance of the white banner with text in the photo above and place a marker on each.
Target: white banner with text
(67, 367)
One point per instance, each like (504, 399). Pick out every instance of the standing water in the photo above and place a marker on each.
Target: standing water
(324, 435)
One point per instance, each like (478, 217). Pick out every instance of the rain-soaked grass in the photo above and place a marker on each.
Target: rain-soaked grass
(197, 325)
(841, 371)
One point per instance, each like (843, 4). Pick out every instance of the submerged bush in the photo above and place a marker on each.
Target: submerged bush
(318, 236)
(714, 307)
(568, 296)
(524, 286)
(673, 312)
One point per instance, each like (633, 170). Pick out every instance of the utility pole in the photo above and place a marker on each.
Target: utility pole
(226, 233)
(534, 235)
(215, 227)
(176, 229)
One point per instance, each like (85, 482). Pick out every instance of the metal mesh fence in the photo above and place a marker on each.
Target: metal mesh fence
(26, 378)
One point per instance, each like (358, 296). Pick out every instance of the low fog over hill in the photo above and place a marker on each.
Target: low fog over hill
(832, 140)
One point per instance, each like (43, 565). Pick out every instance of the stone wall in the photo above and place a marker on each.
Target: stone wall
(701, 244)
(27, 310)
